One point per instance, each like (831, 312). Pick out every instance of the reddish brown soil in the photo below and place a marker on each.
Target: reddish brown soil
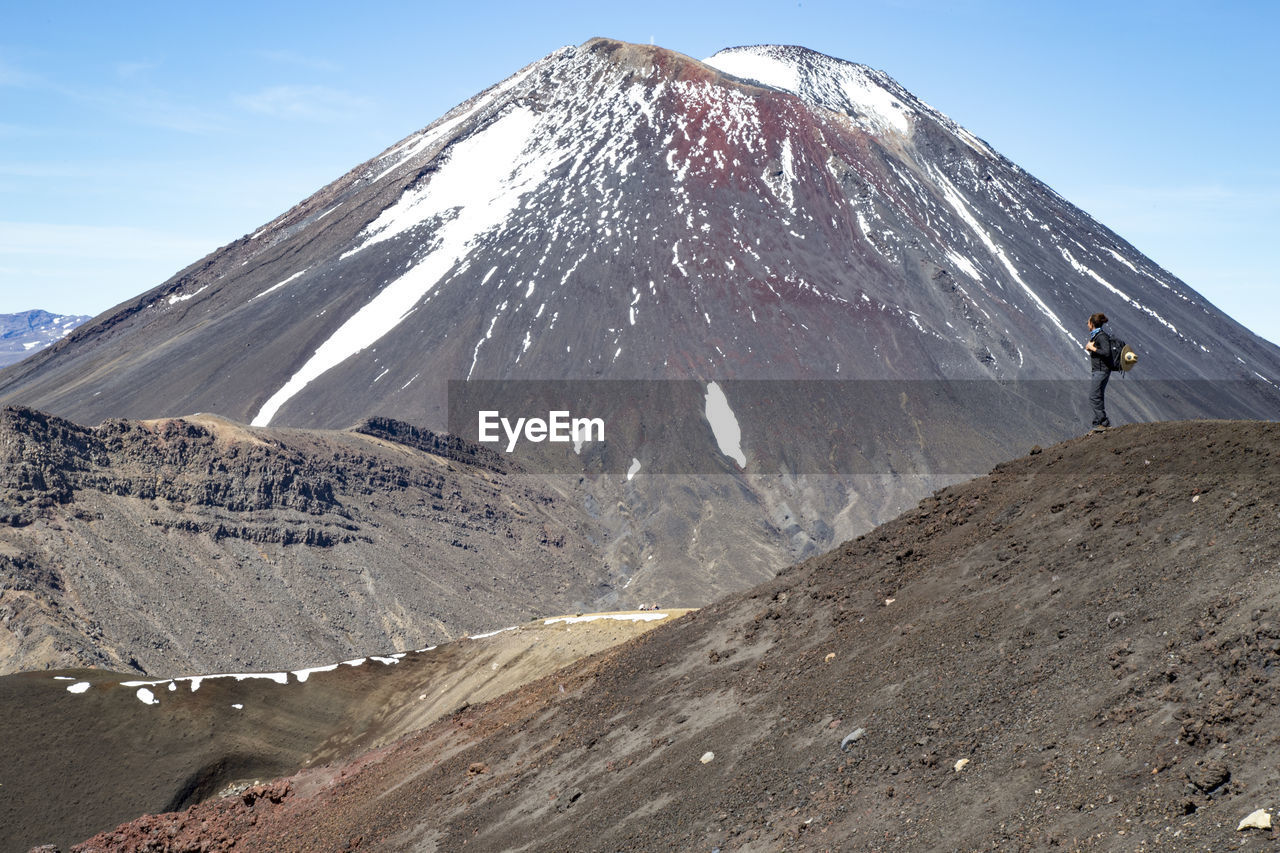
(1094, 627)
(77, 763)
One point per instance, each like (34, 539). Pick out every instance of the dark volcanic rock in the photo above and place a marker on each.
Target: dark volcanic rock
(445, 446)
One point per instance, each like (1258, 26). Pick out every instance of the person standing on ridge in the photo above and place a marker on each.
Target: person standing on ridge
(1099, 347)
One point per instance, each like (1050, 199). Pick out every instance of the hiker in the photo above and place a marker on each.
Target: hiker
(1099, 347)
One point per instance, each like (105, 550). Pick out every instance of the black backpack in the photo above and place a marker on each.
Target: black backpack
(1122, 356)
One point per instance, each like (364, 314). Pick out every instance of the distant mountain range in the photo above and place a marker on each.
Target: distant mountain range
(28, 332)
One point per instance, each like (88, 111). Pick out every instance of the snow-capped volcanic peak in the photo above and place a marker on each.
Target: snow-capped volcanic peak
(622, 211)
(821, 80)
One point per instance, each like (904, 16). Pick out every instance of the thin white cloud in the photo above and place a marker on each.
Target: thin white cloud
(149, 107)
(16, 78)
(307, 103)
(113, 242)
(85, 269)
(133, 70)
(298, 60)
(158, 109)
(60, 169)
(16, 131)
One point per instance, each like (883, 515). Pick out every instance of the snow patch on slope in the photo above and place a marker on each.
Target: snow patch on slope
(293, 277)
(410, 148)
(724, 425)
(488, 634)
(957, 202)
(472, 197)
(197, 680)
(303, 674)
(963, 264)
(1084, 270)
(618, 617)
(782, 184)
(183, 297)
(817, 79)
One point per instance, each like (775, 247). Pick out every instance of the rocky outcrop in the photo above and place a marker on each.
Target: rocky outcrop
(171, 544)
(446, 446)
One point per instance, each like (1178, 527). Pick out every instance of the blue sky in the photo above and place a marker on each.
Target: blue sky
(137, 137)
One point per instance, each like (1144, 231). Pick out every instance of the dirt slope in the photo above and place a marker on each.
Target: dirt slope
(1092, 627)
(80, 760)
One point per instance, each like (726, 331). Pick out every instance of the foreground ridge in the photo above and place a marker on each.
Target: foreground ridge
(1071, 651)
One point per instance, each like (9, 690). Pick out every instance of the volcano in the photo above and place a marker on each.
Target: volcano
(805, 292)
(617, 211)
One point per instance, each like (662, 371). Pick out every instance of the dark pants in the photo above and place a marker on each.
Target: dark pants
(1096, 394)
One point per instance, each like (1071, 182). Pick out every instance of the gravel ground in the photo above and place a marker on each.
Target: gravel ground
(1074, 652)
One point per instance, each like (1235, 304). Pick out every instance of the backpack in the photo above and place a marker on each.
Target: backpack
(1122, 355)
